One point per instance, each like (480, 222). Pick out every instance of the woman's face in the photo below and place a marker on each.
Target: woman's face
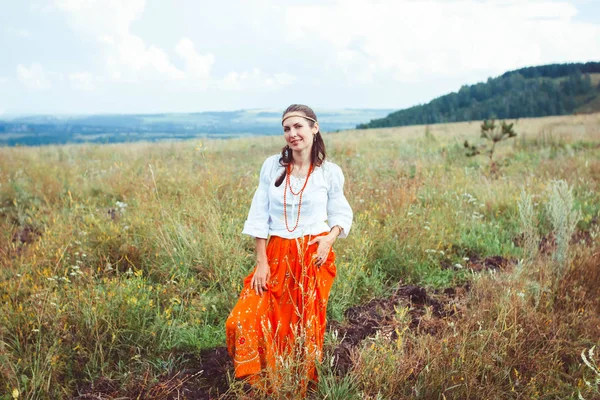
(298, 133)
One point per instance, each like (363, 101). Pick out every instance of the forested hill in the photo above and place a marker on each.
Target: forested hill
(555, 89)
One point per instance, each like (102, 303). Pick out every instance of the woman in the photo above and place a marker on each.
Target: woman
(300, 206)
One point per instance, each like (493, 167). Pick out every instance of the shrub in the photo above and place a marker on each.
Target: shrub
(528, 223)
(564, 220)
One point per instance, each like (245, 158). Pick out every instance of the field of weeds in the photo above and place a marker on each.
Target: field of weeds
(120, 263)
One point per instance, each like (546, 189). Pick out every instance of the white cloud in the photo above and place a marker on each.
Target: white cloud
(197, 66)
(82, 81)
(129, 57)
(352, 53)
(255, 80)
(102, 17)
(413, 40)
(284, 79)
(34, 77)
(108, 21)
(356, 66)
(236, 80)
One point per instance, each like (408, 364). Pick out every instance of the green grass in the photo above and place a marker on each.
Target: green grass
(136, 257)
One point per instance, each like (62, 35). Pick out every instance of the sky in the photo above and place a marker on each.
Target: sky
(150, 56)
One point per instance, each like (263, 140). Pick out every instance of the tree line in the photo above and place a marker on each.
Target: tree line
(555, 89)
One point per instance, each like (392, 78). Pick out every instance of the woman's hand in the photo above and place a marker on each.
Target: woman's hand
(260, 278)
(262, 273)
(325, 243)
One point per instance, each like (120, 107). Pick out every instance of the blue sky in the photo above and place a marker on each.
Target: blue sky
(144, 56)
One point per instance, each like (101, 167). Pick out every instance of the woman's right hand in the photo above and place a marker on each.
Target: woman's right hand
(260, 278)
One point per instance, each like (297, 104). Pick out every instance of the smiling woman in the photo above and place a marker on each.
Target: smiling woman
(297, 213)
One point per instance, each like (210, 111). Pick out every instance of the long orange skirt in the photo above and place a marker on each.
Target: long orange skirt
(289, 319)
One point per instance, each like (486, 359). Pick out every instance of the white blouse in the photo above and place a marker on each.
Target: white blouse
(323, 203)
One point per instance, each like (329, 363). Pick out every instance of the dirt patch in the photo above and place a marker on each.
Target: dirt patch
(426, 311)
(26, 234)
(582, 237)
(101, 388)
(205, 379)
(205, 376)
(208, 378)
(478, 264)
(547, 244)
(21, 237)
(494, 263)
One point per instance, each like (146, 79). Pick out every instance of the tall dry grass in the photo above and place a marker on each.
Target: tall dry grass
(120, 260)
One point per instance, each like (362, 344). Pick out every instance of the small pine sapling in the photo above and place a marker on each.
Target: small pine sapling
(495, 133)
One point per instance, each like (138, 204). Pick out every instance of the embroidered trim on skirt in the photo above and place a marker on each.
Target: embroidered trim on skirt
(289, 319)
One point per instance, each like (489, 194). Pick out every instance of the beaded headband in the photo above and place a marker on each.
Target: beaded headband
(292, 114)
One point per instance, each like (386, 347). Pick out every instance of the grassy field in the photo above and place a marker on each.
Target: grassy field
(120, 263)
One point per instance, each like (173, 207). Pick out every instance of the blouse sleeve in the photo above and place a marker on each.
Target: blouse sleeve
(338, 208)
(257, 223)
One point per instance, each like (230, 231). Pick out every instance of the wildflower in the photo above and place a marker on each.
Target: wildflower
(15, 393)
(175, 300)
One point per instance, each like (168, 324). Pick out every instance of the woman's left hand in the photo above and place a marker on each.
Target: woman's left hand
(325, 243)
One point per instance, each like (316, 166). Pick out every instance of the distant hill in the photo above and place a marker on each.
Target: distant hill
(50, 129)
(555, 89)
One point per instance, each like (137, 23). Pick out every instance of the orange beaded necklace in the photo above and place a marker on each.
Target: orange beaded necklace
(285, 189)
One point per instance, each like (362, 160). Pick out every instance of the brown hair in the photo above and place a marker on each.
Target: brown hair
(317, 154)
